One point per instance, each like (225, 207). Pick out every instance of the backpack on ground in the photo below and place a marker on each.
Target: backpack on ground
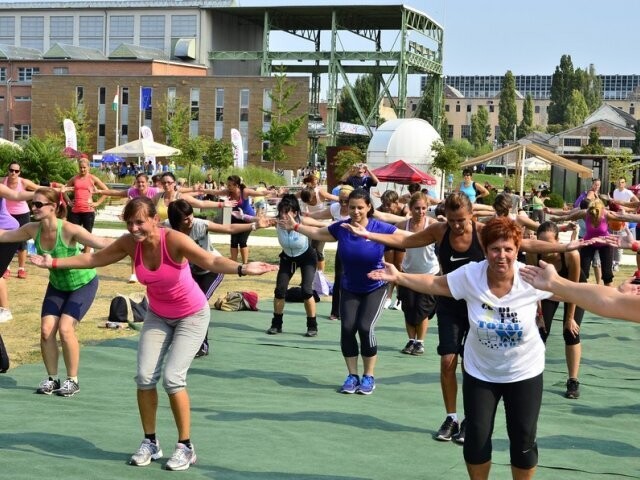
(4, 357)
(128, 308)
(236, 301)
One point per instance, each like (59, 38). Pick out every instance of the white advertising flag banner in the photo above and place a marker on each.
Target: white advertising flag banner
(71, 139)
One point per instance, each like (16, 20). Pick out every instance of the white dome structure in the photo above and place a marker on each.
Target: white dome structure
(408, 139)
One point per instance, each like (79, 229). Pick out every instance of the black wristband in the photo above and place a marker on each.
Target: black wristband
(240, 274)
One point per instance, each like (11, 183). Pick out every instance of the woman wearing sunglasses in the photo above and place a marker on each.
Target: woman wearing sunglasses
(7, 251)
(18, 210)
(69, 293)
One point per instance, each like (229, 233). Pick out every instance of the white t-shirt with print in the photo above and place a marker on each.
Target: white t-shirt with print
(503, 344)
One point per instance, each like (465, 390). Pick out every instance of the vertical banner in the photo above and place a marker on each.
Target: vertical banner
(145, 98)
(238, 151)
(147, 134)
(71, 139)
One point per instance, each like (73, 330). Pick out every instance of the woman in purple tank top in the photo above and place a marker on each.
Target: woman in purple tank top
(177, 320)
(8, 250)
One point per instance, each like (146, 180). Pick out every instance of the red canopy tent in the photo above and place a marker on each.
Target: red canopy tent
(401, 172)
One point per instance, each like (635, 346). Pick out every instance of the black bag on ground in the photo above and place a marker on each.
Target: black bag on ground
(294, 295)
(4, 357)
(128, 308)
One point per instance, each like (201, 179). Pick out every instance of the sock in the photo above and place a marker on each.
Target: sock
(453, 415)
(186, 443)
(277, 320)
(312, 324)
(151, 437)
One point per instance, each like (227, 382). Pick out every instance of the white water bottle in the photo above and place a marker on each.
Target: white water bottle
(31, 247)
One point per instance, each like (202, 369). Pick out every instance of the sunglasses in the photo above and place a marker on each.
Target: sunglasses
(39, 205)
(11, 170)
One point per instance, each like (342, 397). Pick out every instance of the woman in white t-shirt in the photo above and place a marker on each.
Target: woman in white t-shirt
(503, 352)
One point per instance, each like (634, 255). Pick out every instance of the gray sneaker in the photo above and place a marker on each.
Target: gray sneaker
(183, 457)
(48, 386)
(148, 451)
(68, 389)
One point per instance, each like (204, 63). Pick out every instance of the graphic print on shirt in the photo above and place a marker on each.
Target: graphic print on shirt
(500, 328)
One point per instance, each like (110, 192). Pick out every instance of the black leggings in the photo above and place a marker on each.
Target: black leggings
(606, 260)
(84, 219)
(549, 308)
(288, 266)
(239, 240)
(359, 313)
(522, 406)
(335, 299)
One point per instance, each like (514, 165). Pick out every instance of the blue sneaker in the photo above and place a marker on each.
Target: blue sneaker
(351, 384)
(367, 386)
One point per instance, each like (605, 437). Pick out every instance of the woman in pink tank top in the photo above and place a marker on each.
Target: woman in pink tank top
(177, 320)
(19, 210)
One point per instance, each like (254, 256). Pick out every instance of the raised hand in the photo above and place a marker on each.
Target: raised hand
(287, 222)
(541, 277)
(259, 268)
(41, 261)
(355, 229)
(388, 274)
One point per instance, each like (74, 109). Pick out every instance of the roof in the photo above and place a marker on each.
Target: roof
(10, 52)
(532, 149)
(73, 52)
(128, 51)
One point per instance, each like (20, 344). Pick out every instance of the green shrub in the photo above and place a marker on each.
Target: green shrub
(554, 201)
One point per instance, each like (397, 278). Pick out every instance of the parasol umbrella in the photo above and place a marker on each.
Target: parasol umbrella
(143, 148)
(404, 173)
(9, 143)
(112, 158)
(71, 153)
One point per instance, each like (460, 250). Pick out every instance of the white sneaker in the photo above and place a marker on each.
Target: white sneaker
(183, 457)
(133, 278)
(5, 315)
(397, 305)
(387, 303)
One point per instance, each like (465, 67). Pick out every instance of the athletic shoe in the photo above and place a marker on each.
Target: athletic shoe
(333, 317)
(22, 273)
(5, 315)
(397, 305)
(274, 330)
(146, 452)
(311, 333)
(183, 457)
(351, 384)
(408, 348)
(68, 389)
(367, 386)
(448, 430)
(7, 274)
(133, 278)
(387, 303)
(48, 385)
(459, 437)
(418, 349)
(573, 389)
(202, 351)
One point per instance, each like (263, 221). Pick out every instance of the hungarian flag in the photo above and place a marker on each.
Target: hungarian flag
(116, 100)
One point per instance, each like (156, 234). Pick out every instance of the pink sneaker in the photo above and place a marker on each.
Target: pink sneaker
(22, 273)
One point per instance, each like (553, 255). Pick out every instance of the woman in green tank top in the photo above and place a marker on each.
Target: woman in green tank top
(69, 293)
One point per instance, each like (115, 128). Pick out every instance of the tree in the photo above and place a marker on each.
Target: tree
(40, 159)
(480, 128)
(508, 116)
(526, 125)
(444, 129)
(285, 122)
(562, 84)
(77, 113)
(193, 150)
(219, 155)
(364, 89)
(588, 82)
(593, 147)
(176, 116)
(619, 166)
(577, 109)
(636, 140)
(346, 158)
(447, 159)
(425, 108)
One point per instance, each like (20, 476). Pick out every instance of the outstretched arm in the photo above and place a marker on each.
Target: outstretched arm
(418, 282)
(288, 222)
(399, 238)
(601, 300)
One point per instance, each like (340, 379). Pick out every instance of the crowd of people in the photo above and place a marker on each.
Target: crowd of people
(462, 262)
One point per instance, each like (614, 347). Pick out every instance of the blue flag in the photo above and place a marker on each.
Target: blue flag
(145, 98)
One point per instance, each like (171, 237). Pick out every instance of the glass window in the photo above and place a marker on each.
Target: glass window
(266, 107)
(244, 105)
(22, 132)
(124, 98)
(626, 144)
(468, 108)
(121, 26)
(606, 142)
(61, 29)
(32, 32)
(91, 32)
(152, 29)
(450, 132)
(571, 142)
(26, 73)
(457, 108)
(184, 26)
(22, 98)
(102, 95)
(3, 74)
(7, 30)
(446, 107)
(61, 70)
(465, 131)
(79, 94)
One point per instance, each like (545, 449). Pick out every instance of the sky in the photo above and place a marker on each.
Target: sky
(489, 37)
